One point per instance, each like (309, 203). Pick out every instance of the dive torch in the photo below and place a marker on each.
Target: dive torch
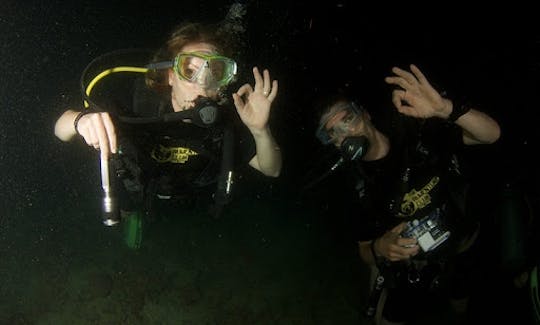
(110, 213)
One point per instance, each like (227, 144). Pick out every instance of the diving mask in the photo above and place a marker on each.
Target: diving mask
(207, 70)
(348, 113)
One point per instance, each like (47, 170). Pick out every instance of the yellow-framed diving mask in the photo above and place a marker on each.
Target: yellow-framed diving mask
(207, 70)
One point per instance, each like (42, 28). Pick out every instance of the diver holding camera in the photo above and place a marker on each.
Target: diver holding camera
(412, 223)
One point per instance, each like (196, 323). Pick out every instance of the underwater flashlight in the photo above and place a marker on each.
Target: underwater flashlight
(110, 213)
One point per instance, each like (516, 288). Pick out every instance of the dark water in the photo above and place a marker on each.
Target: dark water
(278, 256)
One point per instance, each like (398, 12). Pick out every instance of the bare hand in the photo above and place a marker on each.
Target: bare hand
(253, 104)
(417, 98)
(98, 131)
(394, 247)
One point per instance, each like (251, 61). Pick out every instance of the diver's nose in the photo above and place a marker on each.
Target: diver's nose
(205, 92)
(199, 91)
(209, 92)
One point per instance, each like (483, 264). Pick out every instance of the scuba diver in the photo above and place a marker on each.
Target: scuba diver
(173, 136)
(411, 221)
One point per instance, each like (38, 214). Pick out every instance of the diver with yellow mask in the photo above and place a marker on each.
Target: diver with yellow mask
(173, 137)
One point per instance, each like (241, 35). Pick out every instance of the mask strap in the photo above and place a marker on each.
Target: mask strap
(160, 65)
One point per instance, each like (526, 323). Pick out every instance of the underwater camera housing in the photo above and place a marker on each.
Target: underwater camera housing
(428, 231)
